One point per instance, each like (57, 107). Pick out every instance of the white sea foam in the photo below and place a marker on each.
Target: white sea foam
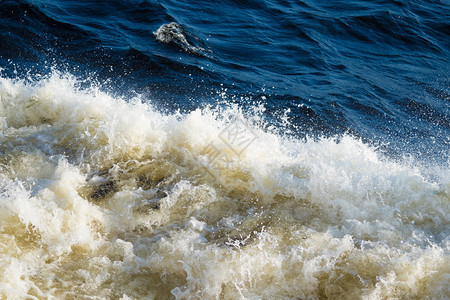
(175, 33)
(102, 197)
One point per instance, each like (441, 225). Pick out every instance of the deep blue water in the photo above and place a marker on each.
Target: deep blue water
(378, 70)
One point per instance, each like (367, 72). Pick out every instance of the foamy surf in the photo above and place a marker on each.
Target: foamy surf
(106, 198)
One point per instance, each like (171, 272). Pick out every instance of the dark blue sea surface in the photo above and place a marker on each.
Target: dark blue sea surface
(376, 69)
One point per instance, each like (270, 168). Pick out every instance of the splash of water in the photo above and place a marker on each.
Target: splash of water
(111, 198)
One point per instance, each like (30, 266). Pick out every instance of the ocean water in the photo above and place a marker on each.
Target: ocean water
(267, 149)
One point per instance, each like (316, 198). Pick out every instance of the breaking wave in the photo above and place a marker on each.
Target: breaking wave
(174, 33)
(102, 197)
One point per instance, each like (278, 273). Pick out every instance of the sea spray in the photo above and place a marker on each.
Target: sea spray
(110, 198)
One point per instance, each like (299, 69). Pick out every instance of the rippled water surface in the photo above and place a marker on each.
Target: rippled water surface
(224, 149)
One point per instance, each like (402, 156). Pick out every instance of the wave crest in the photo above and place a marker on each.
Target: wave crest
(97, 190)
(174, 33)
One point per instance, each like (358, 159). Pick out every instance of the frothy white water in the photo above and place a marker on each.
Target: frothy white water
(106, 198)
(174, 33)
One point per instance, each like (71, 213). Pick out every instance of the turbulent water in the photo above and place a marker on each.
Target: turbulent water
(224, 150)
